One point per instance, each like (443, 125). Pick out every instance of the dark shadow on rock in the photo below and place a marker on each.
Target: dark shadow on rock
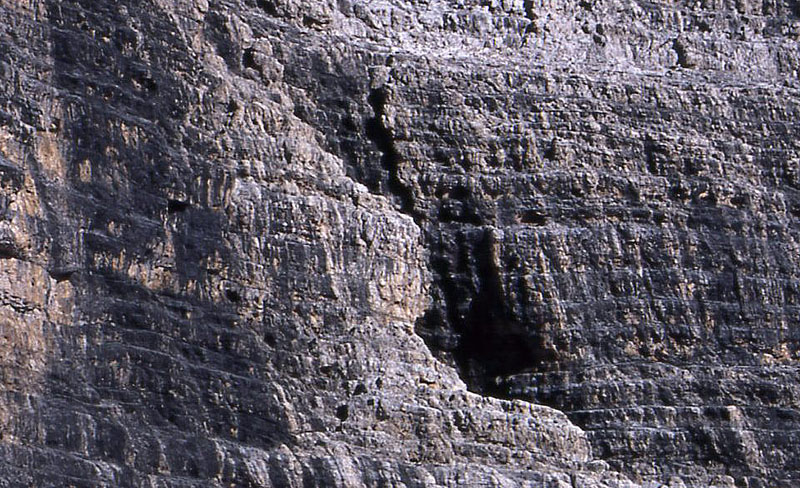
(143, 356)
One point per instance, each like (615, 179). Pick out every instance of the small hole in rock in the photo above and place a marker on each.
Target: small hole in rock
(61, 274)
(8, 250)
(150, 85)
(342, 412)
(533, 217)
(174, 206)
(233, 296)
(249, 59)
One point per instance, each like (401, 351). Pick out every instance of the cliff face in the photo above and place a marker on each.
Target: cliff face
(275, 243)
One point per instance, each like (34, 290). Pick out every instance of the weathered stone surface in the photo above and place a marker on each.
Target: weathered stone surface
(254, 243)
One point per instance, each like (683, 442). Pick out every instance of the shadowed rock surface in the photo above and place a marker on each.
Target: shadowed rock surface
(275, 243)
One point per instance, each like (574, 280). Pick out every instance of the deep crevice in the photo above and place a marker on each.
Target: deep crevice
(233, 296)
(655, 154)
(534, 217)
(381, 136)
(530, 14)
(313, 23)
(62, 274)
(473, 324)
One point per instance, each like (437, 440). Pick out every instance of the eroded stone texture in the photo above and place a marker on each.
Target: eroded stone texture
(607, 195)
(195, 293)
(229, 225)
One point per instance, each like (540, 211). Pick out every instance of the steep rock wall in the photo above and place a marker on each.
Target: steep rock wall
(228, 224)
(196, 294)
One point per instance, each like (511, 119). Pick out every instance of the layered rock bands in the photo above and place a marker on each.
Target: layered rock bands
(268, 243)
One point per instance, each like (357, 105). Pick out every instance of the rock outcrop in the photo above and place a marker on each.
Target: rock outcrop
(399, 243)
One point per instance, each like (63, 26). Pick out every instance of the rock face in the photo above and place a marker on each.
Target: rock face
(399, 243)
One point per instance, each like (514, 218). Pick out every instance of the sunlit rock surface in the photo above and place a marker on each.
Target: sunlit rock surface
(399, 243)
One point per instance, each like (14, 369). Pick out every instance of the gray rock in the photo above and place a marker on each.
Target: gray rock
(399, 243)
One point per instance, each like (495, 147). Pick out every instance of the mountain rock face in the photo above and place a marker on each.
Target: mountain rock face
(268, 243)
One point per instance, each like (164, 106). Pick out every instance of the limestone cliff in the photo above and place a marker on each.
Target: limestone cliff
(399, 243)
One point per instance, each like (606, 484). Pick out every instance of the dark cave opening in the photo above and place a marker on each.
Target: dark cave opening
(473, 322)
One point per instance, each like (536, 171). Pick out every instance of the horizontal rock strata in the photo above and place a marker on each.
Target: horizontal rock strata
(399, 243)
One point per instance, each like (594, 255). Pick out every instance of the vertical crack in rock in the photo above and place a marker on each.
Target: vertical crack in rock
(530, 14)
(681, 49)
(381, 136)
